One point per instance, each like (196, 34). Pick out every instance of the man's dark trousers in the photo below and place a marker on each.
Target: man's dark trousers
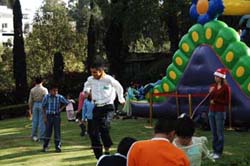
(100, 129)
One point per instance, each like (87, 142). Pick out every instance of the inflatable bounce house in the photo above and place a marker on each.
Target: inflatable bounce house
(208, 45)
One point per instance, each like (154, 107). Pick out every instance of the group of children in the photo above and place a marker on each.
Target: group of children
(52, 106)
(84, 113)
(194, 147)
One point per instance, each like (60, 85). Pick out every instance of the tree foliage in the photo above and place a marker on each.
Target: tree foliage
(139, 20)
(143, 19)
(53, 32)
(8, 3)
(6, 69)
(3, 2)
(89, 22)
(113, 29)
(79, 12)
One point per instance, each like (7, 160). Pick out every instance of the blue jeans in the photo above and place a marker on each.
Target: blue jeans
(53, 122)
(217, 121)
(37, 120)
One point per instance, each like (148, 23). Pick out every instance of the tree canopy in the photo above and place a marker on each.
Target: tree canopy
(54, 32)
(113, 29)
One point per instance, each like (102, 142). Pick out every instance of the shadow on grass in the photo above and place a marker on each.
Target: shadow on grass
(38, 152)
(86, 160)
(78, 158)
(21, 154)
(19, 158)
(11, 123)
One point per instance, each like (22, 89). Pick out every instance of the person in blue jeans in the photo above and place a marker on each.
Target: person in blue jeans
(51, 114)
(35, 105)
(219, 99)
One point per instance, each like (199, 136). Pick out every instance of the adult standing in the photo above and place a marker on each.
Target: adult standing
(219, 99)
(245, 33)
(103, 90)
(35, 105)
(159, 150)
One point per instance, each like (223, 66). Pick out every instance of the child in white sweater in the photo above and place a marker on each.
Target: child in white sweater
(194, 147)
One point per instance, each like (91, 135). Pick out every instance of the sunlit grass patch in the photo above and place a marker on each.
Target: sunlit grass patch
(17, 148)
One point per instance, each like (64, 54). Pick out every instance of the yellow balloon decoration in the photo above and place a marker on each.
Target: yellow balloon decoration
(236, 7)
(229, 56)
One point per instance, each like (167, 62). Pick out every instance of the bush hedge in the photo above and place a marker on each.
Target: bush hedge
(13, 111)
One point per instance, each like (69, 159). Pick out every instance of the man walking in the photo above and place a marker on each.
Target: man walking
(103, 90)
(35, 105)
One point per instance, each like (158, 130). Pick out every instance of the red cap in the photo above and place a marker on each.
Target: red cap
(221, 72)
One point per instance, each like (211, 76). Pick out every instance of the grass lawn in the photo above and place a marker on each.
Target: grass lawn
(16, 147)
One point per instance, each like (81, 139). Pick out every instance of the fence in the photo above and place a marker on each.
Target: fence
(189, 96)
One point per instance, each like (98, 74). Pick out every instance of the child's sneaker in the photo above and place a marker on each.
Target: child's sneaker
(45, 149)
(82, 134)
(107, 153)
(35, 138)
(216, 156)
(58, 150)
(83, 129)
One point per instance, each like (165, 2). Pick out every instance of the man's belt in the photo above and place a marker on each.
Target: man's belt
(101, 105)
(37, 101)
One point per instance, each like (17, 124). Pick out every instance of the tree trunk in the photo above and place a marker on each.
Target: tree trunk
(19, 56)
(91, 54)
(58, 74)
(80, 20)
(116, 52)
(173, 31)
(91, 44)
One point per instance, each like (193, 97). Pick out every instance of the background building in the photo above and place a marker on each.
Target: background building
(6, 25)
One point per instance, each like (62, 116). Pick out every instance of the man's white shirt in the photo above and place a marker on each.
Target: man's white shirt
(104, 90)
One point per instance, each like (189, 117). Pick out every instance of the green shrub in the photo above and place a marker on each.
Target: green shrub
(13, 111)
